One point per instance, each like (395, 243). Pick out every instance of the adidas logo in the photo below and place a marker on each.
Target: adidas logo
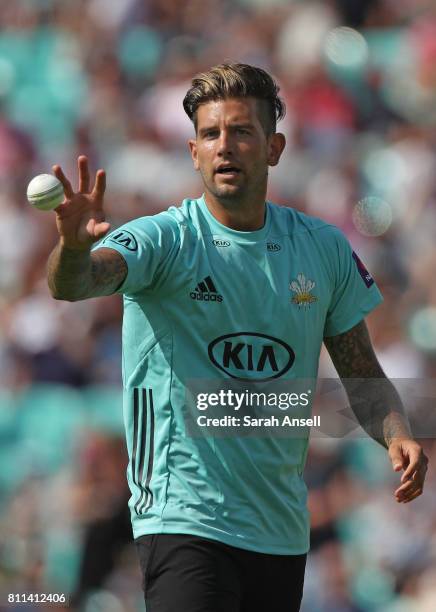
(206, 291)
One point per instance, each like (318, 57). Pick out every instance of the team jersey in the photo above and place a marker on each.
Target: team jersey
(206, 302)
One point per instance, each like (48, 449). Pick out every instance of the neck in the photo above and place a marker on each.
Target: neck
(244, 216)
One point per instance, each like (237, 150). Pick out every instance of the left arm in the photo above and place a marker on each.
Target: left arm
(378, 407)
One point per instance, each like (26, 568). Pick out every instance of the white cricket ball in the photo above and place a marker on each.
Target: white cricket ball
(372, 216)
(45, 192)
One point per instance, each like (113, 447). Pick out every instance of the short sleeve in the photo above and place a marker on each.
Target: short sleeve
(146, 244)
(354, 294)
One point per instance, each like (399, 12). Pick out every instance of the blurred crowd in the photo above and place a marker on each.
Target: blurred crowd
(107, 78)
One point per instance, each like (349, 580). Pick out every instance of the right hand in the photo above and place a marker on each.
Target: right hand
(80, 218)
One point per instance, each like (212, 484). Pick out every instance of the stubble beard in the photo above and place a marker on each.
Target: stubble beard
(235, 196)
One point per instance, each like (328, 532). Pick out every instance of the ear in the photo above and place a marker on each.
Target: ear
(276, 144)
(193, 149)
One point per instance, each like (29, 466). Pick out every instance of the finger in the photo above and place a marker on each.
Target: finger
(414, 496)
(412, 485)
(82, 162)
(415, 458)
(396, 454)
(100, 185)
(407, 488)
(68, 190)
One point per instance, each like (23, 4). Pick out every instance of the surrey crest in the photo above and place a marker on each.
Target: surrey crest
(302, 289)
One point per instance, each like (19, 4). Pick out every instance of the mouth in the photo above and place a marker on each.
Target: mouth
(228, 171)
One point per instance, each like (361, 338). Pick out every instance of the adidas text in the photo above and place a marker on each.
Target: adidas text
(206, 291)
(206, 297)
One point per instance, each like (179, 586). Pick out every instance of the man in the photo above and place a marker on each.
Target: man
(226, 287)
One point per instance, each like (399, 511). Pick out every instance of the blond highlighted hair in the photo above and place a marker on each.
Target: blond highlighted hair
(237, 81)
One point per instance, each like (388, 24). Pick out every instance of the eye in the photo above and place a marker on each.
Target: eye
(242, 131)
(210, 134)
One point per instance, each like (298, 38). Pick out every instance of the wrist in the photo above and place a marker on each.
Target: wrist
(398, 439)
(76, 247)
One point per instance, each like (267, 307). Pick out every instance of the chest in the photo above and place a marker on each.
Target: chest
(276, 285)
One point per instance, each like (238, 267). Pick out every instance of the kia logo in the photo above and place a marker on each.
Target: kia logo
(251, 356)
(124, 238)
(221, 243)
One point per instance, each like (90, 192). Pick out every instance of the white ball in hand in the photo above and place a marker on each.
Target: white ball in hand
(45, 192)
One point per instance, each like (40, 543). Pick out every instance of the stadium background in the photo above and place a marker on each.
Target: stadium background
(106, 78)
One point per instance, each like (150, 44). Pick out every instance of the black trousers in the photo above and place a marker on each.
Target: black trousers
(184, 573)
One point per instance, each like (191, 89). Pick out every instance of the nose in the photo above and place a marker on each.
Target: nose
(225, 143)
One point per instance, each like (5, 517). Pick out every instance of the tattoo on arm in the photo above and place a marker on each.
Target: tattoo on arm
(373, 398)
(78, 275)
(352, 354)
(108, 270)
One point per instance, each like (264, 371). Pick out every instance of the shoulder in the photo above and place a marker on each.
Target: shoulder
(173, 220)
(159, 229)
(293, 222)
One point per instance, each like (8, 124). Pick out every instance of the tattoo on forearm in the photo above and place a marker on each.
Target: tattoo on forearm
(77, 275)
(107, 272)
(373, 398)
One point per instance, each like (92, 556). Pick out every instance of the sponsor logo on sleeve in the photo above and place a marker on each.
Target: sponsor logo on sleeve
(123, 238)
(366, 276)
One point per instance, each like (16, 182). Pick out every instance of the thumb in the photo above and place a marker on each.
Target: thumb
(97, 229)
(101, 229)
(396, 456)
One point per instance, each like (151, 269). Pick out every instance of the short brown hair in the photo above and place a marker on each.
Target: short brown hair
(236, 81)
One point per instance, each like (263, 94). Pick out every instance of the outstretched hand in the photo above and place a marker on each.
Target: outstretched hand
(407, 455)
(80, 218)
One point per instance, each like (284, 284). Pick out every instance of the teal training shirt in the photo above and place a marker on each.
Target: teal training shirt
(199, 301)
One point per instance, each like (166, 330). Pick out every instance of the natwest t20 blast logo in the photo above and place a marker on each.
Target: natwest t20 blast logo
(251, 356)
